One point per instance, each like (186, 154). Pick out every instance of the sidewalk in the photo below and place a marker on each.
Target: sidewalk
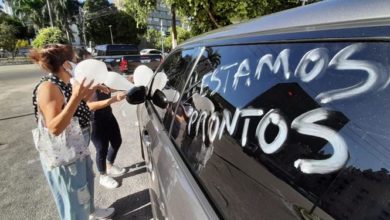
(131, 200)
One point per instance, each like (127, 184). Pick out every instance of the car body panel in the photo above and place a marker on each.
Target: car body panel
(173, 189)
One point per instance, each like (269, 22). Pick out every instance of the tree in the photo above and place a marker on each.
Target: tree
(182, 35)
(8, 38)
(32, 12)
(153, 38)
(99, 14)
(21, 44)
(140, 9)
(51, 35)
(36, 13)
(22, 31)
(65, 14)
(206, 15)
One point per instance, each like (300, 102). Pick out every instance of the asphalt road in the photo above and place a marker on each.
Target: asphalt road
(24, 192)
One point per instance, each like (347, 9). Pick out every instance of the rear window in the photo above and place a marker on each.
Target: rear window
(314, 115)
(116, 50)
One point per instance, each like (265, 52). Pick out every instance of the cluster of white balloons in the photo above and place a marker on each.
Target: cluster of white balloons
(96, 70)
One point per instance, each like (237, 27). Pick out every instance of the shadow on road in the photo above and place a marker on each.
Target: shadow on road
(134, 206)
(132, 170)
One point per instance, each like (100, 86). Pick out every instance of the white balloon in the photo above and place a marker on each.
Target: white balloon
(202, 103)
(160, 80)
(142, 75)
(118, 82)
(172, 95)
(91, 70)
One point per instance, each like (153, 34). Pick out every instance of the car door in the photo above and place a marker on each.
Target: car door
(174, 192)
(263, 128)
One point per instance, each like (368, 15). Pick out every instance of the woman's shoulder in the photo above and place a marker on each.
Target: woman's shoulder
(49, 90)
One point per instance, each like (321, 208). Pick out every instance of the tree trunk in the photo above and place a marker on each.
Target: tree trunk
(174, 31)
(212, 16)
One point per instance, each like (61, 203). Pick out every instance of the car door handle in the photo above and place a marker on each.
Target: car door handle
(146, 139)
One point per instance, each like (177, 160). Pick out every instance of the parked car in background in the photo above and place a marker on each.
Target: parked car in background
(281, 117)
(23, 51)
(116, 49)
(125, 58)
(128, 63)
(149, 51)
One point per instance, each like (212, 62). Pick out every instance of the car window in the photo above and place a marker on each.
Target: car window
(170, 79)
(257, 122)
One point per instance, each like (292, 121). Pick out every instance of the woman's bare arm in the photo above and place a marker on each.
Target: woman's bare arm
(96, 105)
(50, 102)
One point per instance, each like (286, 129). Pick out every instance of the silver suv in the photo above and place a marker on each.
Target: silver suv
(281, 117)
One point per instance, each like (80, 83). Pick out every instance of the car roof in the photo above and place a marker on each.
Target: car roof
(328, 14)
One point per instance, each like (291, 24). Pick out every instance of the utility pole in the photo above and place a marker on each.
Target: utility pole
(112, 40)
(162, 36)
(48, 6)
(303, 2)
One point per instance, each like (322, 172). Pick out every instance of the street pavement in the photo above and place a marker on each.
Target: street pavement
(24, 192)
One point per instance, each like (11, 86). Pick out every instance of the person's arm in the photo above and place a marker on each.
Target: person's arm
(51, 100)
(96, 105)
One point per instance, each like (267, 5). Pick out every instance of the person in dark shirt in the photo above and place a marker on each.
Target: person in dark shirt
(106, 135)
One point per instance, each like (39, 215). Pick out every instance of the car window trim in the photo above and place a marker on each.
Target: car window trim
(201, 51)
(196, 51)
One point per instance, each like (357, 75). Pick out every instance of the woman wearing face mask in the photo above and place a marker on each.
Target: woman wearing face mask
(106, 135)
(57, 102)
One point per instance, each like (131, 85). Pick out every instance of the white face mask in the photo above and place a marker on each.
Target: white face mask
(71, 71)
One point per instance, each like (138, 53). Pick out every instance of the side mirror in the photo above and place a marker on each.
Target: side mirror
(159, 99)
(136, 95)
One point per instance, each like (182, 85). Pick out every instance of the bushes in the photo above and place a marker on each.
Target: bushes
(51, 35)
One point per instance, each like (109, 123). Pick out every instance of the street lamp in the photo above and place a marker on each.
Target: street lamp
(112, 40)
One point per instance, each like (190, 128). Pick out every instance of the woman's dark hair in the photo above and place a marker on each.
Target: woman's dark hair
(52, 56)
(81, 53)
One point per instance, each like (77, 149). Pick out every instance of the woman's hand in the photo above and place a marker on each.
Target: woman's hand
(119, 96)
(81, 91)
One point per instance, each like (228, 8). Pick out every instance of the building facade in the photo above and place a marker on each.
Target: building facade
(161, 18)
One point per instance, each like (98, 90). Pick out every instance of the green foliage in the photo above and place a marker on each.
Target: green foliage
(100, 14)
(35, 13)
(182, 35)
(140, 10)
(49, 36)
(64, 13)
(153, 38)
(8, 38)
(21, 30)
(21, 44)
(206, 15)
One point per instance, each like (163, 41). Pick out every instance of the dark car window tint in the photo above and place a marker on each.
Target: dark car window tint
(170, 79)
(311, 115)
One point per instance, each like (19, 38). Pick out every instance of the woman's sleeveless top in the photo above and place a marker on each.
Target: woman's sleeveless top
(82, 113)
